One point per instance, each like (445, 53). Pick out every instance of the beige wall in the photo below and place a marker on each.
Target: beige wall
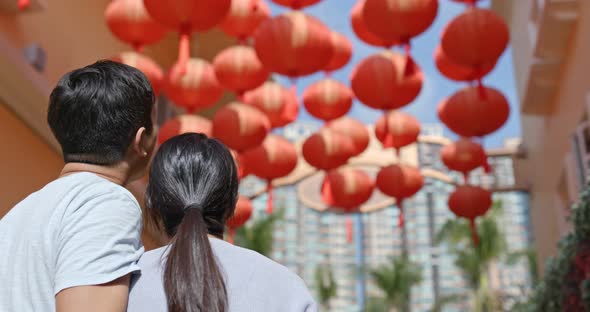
(28, 163)
(550, 50)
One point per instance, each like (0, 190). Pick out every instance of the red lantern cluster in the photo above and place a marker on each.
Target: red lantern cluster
(471, 45)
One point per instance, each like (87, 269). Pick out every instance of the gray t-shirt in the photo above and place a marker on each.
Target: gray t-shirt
(253, 282)
(78, 230)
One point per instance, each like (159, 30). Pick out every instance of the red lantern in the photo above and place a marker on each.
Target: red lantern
(400, 182)
(196, 88)
(240, 126)
(469, 114)
(238, 68)
(293, 44)
(327, 99)
(342, 52)
(387, 80)
(187, 16)
(355, 130)
(146, 65)
(130, 22)
(464, 156)
(274, 158)
(397, 129)
(184, 124)
(347, 189)
(296, 4)
(459, 72)
(244, 17)
(360, 28)
(399, 19)
(327, 149)
(23, 4)
(476, 38)
(470, 202)
(277, 102)
(242, 214)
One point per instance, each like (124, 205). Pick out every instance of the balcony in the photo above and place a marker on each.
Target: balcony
(554, 22)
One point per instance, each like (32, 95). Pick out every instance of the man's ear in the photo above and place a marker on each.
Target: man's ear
(139, 142)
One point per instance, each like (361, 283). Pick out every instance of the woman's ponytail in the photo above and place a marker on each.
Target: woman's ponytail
(192, 191)
(192, 278)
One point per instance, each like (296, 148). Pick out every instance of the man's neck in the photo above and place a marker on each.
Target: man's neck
(118, 174)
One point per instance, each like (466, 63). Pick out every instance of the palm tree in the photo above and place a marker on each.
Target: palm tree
(475, 260)
(325, 285)
(258, 235)
(395, 281)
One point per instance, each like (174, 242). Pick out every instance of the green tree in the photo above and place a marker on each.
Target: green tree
(325, 285)
(474, 261)
(395, 280)
(566, 283)
(258, 235)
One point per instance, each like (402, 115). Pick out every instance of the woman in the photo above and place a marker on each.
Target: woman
(192, 191)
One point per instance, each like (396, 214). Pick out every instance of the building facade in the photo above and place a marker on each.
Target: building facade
(310, 236)
(550, 51)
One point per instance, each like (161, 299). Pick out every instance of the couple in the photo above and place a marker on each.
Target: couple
(75, 244)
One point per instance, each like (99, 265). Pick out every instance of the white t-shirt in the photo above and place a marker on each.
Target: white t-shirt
(253, 282)
(78, 230)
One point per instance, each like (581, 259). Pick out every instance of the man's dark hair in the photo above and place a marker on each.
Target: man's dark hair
(95, 111)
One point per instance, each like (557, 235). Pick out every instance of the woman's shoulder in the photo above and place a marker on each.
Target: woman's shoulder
(270, 280)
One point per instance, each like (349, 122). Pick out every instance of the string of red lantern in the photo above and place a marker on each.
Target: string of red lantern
(469, 115)
(23, 4)
(296, 4)
(242, 214)
(464, 156)
(184, 124)
(355, 130)
(341, 52)
(387, 80)
(327, 99)
(238, 69)
(360, 28)
(187, 17)
(274, 158)
(293, 44)
(471, 44)
(277, 102)
(193, 85)
(346, 189)
(244, 17)
(397, 129)
(130, 22)
(399, 20)
(240, 126)
(400, 182)
(470, 202)
(146, 65)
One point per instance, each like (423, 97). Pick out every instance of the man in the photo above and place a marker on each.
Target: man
(73, 245)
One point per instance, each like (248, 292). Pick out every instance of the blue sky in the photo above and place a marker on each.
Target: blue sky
(336, 14)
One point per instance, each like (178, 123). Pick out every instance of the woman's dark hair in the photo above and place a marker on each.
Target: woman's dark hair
(192, 190)
(95, 111)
